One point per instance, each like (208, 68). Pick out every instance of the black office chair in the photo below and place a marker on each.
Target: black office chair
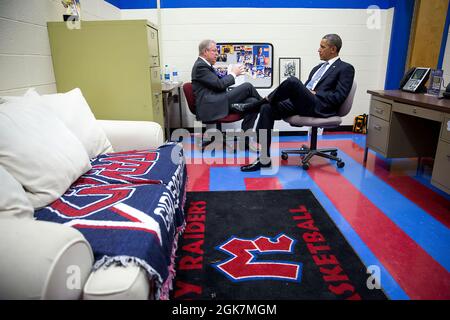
(315, 123)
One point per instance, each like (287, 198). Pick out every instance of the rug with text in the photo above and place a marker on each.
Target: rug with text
(266, 245)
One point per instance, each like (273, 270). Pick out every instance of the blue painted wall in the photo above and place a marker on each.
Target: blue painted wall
(339, 4)
(444, 39)
(398, 50)
(133, 4)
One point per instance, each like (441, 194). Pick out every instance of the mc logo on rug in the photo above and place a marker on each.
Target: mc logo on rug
(245, 264)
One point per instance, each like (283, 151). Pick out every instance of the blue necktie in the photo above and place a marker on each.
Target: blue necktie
(218, 73)
(317, 76)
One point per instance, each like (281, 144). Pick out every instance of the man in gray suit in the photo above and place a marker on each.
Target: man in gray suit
(212, 99)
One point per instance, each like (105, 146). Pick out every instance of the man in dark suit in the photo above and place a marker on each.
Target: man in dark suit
(212, 99)
(327, 87)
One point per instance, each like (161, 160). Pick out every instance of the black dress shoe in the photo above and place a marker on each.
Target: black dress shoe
(240, 107)
(247, 107)
(255, 166)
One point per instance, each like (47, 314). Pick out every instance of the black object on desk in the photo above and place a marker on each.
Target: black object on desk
(446, 93)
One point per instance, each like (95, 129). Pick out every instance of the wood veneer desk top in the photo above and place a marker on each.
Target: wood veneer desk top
(417, 99)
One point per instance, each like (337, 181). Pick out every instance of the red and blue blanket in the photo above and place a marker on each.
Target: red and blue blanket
(129, 207)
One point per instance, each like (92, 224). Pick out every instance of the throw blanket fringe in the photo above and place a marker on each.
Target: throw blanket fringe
(167, 286)
(127, 260)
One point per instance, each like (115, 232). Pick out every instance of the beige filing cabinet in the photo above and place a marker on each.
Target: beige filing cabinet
(441, 168)
(408, 125)
(116, 65)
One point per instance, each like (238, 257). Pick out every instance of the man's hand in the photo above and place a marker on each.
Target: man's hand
(238, 69)
(312, 91)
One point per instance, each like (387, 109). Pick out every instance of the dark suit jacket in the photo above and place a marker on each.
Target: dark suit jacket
(210, 92)
(333, 88)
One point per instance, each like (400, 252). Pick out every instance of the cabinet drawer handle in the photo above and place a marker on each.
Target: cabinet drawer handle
(154, 56)
(377, 127)
(379, 110)
(415, 110)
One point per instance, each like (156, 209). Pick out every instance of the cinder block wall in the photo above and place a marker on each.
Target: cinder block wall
(294, 32)
(25, 58)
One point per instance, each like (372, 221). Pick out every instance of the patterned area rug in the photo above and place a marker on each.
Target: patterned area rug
(266, 245)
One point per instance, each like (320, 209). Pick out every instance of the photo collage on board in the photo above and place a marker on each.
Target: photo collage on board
(257, 59)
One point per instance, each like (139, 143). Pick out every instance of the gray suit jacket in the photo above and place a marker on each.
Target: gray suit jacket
(210, 92)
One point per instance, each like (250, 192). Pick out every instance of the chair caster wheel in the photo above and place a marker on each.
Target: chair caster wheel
(340, 164)
(284, 156)
(334, 153)
(305, 166)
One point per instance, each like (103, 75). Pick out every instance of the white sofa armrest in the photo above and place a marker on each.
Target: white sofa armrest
(42, 260)
(118, 283)
(132, 135)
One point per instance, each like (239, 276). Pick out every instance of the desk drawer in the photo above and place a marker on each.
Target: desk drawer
(445, 133)
(380, 109)
(377, 134)
(417, 111)
(441, 168)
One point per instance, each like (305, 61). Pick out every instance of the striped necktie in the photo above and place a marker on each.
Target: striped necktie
(317, 76)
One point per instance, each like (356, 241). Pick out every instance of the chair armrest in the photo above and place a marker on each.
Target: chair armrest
(42, 260)
(132, 135)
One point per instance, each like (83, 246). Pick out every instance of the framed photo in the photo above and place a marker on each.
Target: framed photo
(289, 67)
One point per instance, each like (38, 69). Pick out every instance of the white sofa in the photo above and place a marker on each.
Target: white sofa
(43, 260)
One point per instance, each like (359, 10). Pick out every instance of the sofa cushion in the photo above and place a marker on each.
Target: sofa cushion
(72, 109)
(38, 150)
(13, 199)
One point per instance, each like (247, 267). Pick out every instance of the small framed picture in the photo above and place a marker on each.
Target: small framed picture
(289, 67)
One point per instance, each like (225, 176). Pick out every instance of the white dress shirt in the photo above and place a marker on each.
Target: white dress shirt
(209, 64)
(330, 62)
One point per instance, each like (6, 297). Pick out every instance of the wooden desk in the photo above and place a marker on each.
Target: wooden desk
(169, 91)
(409, 125)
